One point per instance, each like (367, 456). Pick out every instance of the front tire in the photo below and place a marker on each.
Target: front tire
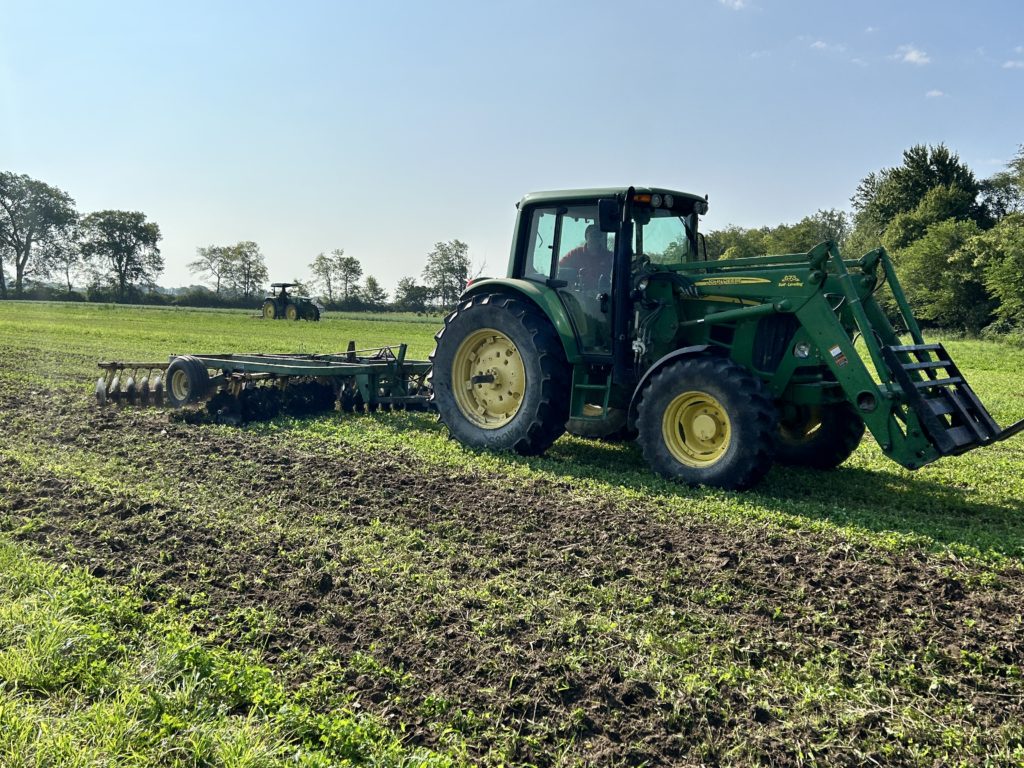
(707, 421)
(269, 310)
(291, 312)
(500, 377)
(821, 437)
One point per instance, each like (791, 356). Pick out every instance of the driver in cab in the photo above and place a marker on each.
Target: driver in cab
(590, 260)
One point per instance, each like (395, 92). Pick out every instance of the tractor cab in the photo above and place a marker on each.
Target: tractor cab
(282, 305)
(570, 241)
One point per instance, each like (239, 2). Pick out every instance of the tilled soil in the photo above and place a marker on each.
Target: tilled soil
(525, 615)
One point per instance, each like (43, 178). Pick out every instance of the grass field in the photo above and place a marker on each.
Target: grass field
(360, 590)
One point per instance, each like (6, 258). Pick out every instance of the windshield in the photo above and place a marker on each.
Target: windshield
(667, 238)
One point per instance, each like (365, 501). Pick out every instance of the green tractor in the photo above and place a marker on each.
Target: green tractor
(613, 323)
(281, 305)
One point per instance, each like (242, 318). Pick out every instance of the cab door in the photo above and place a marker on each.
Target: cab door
(582, 280)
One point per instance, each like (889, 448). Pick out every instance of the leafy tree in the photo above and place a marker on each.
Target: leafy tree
(123, 247)
(999, 253)
(214, 261)
(31, 213)
(324, 269)
(938, 204)
(882, 195)
(808, 232)
(349, 272)
(373, 293)
(248, 272)
(941, 282)
(735, 242)
(1003, 194)
(446, 271)
(62, 255)
(410, 296)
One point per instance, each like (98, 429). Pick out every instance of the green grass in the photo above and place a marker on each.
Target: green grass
(88, 678)
(89, 673)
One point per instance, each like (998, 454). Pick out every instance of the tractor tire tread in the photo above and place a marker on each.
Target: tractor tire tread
(755, 424)
(841, 431)
(552, 404)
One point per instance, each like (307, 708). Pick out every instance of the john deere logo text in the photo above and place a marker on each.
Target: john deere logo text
(791, 281)
(733, 281)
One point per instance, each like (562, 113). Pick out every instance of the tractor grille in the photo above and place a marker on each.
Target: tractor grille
(774, 333)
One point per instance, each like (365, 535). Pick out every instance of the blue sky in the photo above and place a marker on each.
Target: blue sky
(384, 128)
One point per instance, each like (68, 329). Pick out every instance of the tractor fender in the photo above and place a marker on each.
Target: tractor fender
(544, 298)
(671, 357)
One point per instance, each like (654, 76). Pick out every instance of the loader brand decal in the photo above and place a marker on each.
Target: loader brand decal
(791, 281)
(838, 356)
(732, 281)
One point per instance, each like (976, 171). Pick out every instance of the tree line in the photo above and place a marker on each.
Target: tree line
(236, 273)
(47, 248)
(956, 241)
(43, 237)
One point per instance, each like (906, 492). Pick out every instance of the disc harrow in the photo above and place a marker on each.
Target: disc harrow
(131, 383)
(252, 387)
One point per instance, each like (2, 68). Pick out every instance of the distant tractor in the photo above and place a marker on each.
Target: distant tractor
(281, 305)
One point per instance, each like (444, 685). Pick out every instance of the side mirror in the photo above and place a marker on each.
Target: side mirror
(608, 214)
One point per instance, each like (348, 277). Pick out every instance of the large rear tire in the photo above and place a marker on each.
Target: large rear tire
(821, 436)
(269, 310)
(707, 421)
(188, 381)
(291, 312)
(500, 377)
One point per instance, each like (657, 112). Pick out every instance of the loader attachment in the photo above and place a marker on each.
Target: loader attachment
(950, 413)
(924, 408)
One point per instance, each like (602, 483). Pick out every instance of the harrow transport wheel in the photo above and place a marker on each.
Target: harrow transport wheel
(291, 312)
(269, 310)
(500, 377)
(819, 436)
(187, 381)
(707, 421)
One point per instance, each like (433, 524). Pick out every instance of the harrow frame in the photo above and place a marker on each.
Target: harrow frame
(378, 377)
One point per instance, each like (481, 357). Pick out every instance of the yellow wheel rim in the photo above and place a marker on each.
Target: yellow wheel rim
(488, 378)
(180, 385)
(696, 429)
(291, 312)
(268, 311)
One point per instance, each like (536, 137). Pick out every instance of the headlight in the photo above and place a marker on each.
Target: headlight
(802, 350)
(656, 201)
(669, 201)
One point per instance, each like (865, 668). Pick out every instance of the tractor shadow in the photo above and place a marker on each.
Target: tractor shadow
(879, 500)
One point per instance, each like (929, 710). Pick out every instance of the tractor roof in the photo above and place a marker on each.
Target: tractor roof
(597, 192)
(283, 285)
